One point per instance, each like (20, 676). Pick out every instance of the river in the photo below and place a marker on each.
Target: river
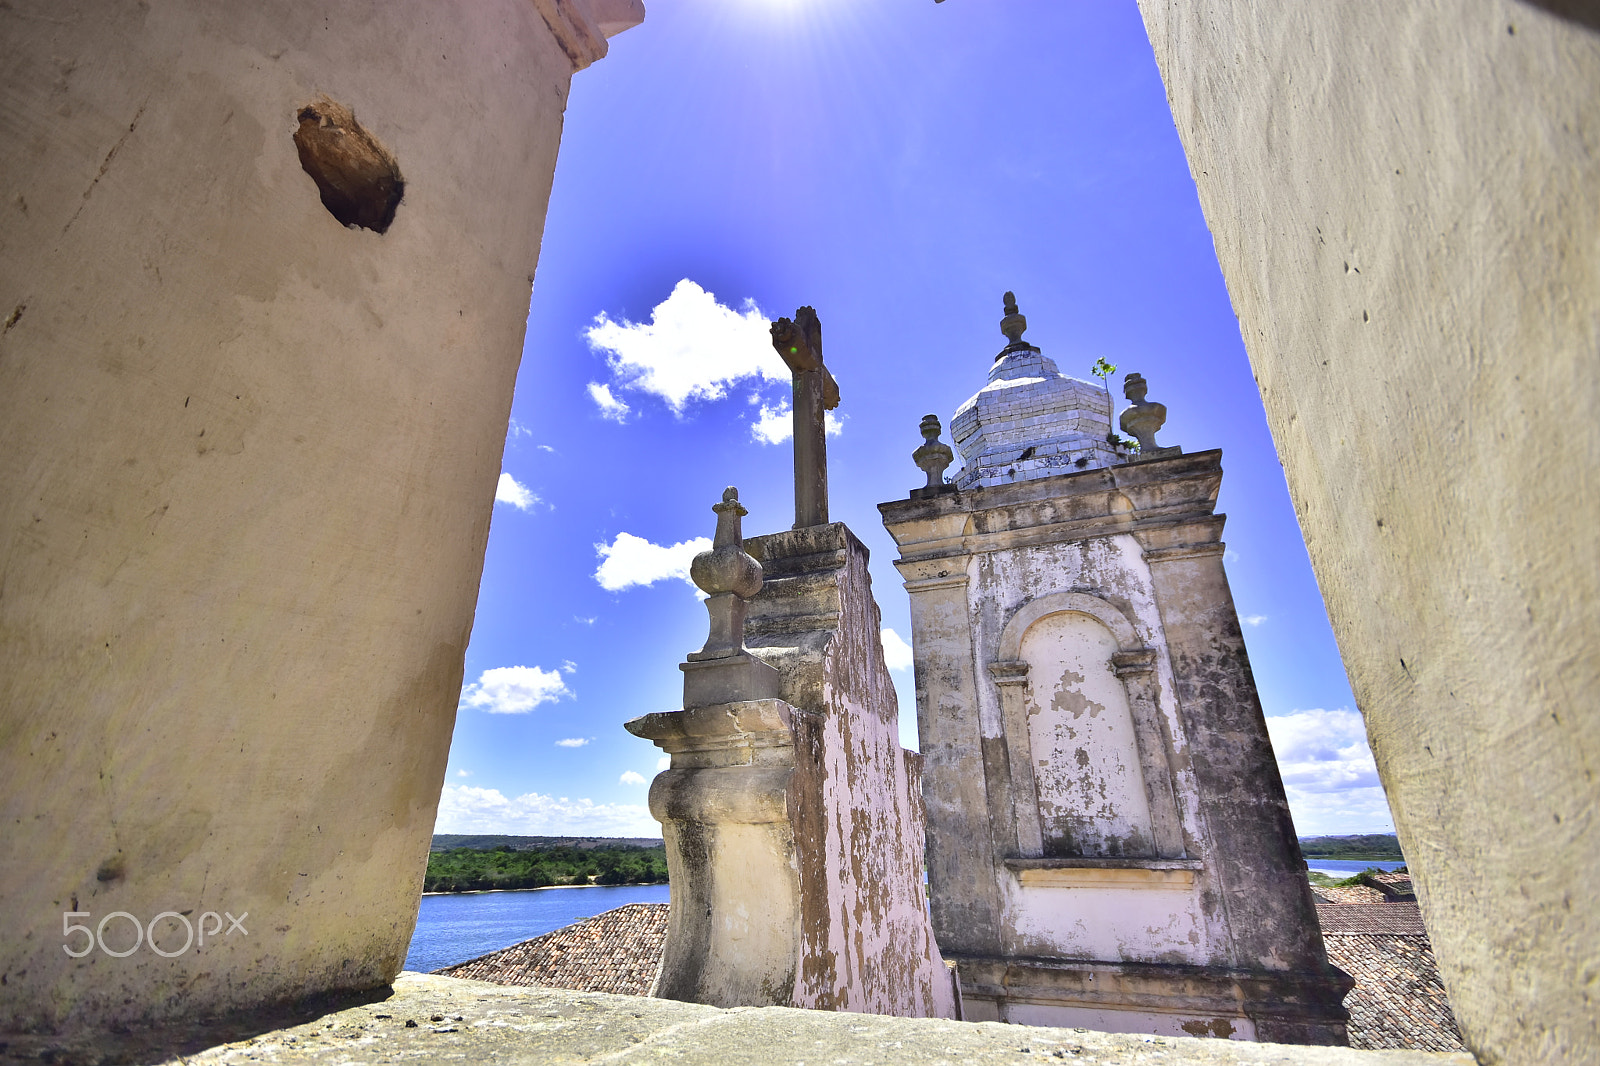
(460, 926)
(1342, 868)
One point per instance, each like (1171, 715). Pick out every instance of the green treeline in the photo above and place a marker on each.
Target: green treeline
(1372, 847)
(473, 870)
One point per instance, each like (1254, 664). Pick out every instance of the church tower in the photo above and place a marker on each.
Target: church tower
(1109, 843)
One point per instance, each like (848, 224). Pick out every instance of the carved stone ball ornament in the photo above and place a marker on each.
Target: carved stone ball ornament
(728, 577)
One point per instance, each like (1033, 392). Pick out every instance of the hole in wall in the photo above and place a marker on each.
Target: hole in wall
(359, 180)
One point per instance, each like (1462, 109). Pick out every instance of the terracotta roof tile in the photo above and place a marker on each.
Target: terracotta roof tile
(1348, 894)
(1398, 1000)
(618, 952)
(1402, 918)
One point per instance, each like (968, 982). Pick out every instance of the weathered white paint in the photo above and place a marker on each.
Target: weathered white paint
(1145, 923)
(1091, 791)
(1127, 1021)
(247, 464)
(1403, 200)
(794, 827)
(1096, 798)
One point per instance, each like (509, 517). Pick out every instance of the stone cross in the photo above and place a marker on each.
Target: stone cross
(800, 344)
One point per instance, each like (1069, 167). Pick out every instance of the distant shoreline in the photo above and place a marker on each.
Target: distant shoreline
(1354, 858)
(540, 888)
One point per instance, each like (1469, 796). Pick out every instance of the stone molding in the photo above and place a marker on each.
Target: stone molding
(1102, 611)
(1170, 874)
(581, 27)
(1282, 1005)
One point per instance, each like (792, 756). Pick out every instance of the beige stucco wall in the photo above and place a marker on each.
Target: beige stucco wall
(1403, 199)
(247, 462)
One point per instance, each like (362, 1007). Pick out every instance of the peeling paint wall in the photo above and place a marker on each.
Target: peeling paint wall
(866, 942)
(247, 464)
(1100, 786)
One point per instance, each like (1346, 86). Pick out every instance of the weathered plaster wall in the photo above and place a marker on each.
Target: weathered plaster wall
(1403, 203)
(867, 944)
(1163, 842)
(247, 462)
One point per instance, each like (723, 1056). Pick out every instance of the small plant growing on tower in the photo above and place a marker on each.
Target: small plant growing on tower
(1103, 370)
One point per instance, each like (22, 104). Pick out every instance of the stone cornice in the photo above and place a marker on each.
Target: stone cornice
(1169, 501)
(581, 27)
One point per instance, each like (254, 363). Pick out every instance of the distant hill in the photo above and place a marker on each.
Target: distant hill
(1371, 846)
(478, 842)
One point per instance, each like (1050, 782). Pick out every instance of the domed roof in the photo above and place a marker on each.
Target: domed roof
(1031, 420)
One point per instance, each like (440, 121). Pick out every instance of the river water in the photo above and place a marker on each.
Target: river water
(460, 926)
(1342, 868)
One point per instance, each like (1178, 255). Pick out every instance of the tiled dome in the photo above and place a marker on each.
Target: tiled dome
(1031, 420)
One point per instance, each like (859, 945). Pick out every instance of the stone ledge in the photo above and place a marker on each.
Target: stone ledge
(493, 1023)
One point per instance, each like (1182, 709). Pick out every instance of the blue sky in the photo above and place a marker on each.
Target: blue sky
(898, 165)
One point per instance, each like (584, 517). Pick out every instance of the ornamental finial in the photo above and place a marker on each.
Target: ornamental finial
(1014, 324)
(728, 577)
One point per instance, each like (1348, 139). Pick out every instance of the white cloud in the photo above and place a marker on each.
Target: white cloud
(514, 689)
(896, 652)
(465, 809)
(585, 621)
(1253, 619)
(568, 666)
(693, 348)
(573, 742)
(1328, 773)
(629, 560)
(630, 778)
(663, 763)
(516, 429)
(544, 447)
(1229, 555)
(775, 424)
(610, 406)
(463, 773)
(518, 496)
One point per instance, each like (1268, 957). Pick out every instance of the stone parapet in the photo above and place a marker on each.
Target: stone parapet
(470, 1021)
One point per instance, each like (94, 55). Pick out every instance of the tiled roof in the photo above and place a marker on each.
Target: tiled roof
(1348, 894)
(1398, 1000)
(618, 952)
(1400, 918)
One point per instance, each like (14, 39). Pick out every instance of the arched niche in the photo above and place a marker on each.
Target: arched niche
(1089, 760)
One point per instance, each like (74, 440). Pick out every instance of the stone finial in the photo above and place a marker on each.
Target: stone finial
(1014, 324)
(932, 458)
(728, 577)
(1143, 419)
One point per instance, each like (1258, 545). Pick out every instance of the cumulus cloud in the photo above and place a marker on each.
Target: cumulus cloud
(573, 742)
(629, 560)
(774, 423)
(509, 491)
(610, 407)
(1253, 619)
(465, 809)
(896, 652)
(463, 773)
(1328, 772)
(663, 763)
(514, 689)
(693, 348)
(630, 778)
